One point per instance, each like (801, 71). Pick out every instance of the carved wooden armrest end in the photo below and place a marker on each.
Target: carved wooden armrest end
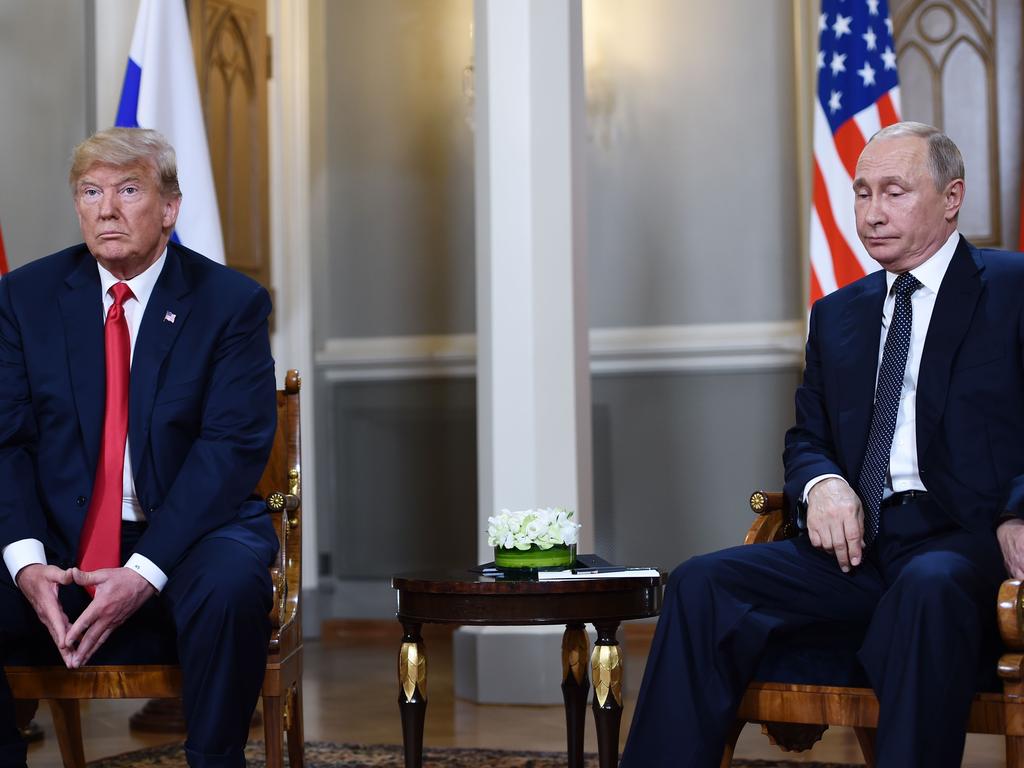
(1010, 614)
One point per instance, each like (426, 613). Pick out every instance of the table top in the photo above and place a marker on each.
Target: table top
(465, 597)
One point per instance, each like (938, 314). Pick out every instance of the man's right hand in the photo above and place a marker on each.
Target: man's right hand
(39, 584)
(835, 521)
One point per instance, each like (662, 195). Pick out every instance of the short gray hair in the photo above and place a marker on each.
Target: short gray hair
(944, 159)
(124, 147)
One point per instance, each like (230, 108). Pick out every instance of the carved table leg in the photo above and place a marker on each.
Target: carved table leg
(606, 671)
(412, 692)
(575, 686)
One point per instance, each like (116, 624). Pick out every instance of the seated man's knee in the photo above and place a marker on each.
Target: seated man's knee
(940, 580)
(697, 575)
(226, 579)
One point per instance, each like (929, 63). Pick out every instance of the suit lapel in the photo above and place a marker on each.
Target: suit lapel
(954, 307)
(169, 306)
(81, 310)
(861, 328)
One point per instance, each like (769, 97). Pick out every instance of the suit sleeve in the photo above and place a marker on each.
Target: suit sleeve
(235, 434)
(1014, 506)
(810, 449)
(21, 513)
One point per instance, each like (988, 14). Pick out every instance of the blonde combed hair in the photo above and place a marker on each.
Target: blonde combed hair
(124, 147)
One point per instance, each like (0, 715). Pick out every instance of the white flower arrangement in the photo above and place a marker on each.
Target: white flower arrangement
(544, 528)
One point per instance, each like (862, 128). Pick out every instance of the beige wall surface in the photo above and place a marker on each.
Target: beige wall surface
(45, 90)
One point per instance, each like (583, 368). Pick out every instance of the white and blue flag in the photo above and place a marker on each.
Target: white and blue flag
(160, 92)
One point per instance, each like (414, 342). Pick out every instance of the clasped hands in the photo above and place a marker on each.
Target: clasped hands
(835, 523)
(120, 592)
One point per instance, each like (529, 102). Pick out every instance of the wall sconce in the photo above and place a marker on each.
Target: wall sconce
(600, 97)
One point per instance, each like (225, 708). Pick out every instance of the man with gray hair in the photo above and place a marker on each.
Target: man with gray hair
(137, 411)
(904, 474)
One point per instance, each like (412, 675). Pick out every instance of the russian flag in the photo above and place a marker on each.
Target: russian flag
(160, 92)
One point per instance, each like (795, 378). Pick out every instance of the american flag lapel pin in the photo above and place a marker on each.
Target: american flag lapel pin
(169, 316)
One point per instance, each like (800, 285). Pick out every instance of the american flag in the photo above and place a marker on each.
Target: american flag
(858, 93)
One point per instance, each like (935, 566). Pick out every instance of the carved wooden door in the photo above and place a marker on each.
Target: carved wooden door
(229, 40)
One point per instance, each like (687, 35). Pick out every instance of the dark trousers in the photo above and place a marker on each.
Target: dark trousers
(924, 598)
(212, 617)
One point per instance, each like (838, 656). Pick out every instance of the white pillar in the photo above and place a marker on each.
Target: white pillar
(533, 376)
(533, 373)
(288, 25)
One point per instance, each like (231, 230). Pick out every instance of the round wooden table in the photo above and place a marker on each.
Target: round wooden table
(464, 597)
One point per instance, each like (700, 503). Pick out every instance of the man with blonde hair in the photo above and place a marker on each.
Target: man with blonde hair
(905, 472)
(137, 410)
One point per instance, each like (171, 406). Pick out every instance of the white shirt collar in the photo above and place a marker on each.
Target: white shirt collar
(142, 284)
(931, 272)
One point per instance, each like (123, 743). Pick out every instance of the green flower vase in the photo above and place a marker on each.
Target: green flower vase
(534, 559)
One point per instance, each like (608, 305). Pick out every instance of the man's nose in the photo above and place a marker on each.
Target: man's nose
(108, 206)
(875, 213)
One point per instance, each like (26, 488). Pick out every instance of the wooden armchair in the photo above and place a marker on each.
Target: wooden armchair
(794, 716)
(281, 486)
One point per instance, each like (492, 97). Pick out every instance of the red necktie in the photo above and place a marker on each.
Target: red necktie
(100, 545)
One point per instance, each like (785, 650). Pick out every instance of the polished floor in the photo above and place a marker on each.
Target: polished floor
(351, 692)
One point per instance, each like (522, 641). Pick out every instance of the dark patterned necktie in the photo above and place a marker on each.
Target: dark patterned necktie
(887, 404)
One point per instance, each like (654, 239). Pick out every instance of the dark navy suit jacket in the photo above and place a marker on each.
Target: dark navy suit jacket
(202, 410)
(970, 392)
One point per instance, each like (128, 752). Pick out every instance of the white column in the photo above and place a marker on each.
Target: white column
(533, 379)
(533, 375)
(289, 128)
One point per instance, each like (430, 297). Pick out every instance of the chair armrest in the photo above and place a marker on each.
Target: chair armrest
(285, 574)
(771, 523)
(1010, 614)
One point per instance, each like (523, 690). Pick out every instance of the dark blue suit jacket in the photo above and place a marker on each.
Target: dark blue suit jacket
(970, 394)
(202, 410)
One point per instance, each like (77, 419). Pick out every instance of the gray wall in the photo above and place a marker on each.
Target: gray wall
(692, 173)
(398, 252)
(46, 93)
(676, 457)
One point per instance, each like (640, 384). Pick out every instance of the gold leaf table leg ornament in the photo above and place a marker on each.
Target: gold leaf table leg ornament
(575, 686)
(606, 671)
(412, 693)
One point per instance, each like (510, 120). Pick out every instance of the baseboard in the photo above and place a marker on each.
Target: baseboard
(340, 632)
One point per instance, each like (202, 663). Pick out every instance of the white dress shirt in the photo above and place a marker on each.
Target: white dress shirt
(24, 552)
(903, 473)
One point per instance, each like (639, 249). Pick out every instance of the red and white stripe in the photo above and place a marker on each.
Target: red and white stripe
(837, 255)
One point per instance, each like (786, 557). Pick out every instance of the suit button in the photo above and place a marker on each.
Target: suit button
(80, 501)
(151, 510)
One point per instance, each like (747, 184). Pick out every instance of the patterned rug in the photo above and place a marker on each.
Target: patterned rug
(322, 754)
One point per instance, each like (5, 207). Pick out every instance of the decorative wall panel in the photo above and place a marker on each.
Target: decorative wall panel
(949, 77)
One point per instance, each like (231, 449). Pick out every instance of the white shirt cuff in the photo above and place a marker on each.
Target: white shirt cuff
(814, 481)
(145, 567)
(23, 552)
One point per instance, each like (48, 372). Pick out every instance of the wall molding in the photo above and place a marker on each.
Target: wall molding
(703, 348)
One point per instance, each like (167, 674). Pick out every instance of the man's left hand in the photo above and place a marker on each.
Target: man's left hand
(120, 592)
(1011, 541)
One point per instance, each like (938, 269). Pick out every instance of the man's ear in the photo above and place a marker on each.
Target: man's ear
(954, 198)
(172, 205)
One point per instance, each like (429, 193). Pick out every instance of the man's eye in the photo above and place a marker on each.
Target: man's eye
(130, 190)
